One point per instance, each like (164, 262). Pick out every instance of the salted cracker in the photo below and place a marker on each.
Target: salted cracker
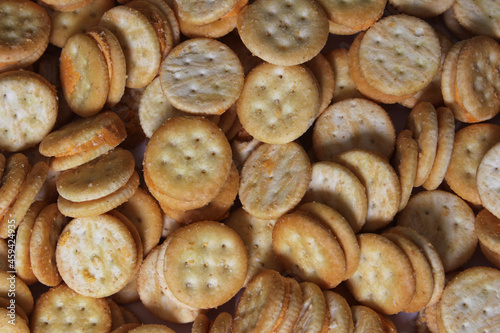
(488, 178)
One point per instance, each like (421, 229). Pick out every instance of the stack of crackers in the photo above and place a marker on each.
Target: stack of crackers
(249, 166)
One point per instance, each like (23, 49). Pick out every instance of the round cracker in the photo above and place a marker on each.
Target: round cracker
(405, 164)
(274, 179)
(384, 280)
(339, 312)
(22, 295)
(353, 123)
(166, 7)
(323, 73)
(381, 182)
(470, 145)
(66, 5)
(97, 178)
(96, 256)
(20, 325)
(152, 328)
(209, 272)
(366, 320)
(446, 221)
(293, 309)
(423, 122)
(307, 250)
(60, 309)
(28, 110)
(84, 75)
(73, 161)
(400, 55)
(422, 8)
(198, 13)
(487, 229)
(488, 178)
(344, 85)
(177, 163)
(278, 104)
(479, 17)
(295, 31)
(16, 169)
(201, 324)
(354, 14)
(257, 235)
(215, 29)
(313, 315)
(202, 76)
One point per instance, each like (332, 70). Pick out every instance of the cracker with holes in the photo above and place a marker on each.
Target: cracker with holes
(344, 85)
(381, 182)
(384, 280)
(470, 145)
(478, 17)
(340, 228)
(161, 304)
(25, 33)
(28, 105)
(399, 55)
(488, 179)
(202, 76)
(96, 256)
(470, 302)
(353, 123)
(61, 308)
(84, 75)
(278, 104)
(314, 312)
(422, 8)
(354, 14)
(308, 250)
(423, 123)
(188, 159)
(68, 23)
(487, 227)
(139, 41)
(446, 221)
(257, 236)
(205, 264)
(295, 30)
(260, 307)
(46, 230)
(274, 179)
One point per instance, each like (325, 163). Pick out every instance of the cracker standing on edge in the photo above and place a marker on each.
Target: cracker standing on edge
(488, 179)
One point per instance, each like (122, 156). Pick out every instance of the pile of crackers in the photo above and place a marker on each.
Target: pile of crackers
(180, 156)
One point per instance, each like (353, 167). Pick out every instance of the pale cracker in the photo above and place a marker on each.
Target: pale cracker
(340, 228)
(222, 323)
(294, 33)
(257, 236)
(46, 230)
(487, 227)
(125, 328)
(344, 86)
(446, 221)
(177, 163)
(155, 300)
(446, 136)
(424, 279)
(366, 320)
(215, 29)
(381, 182)
(82, 134)
(470, 145)
(302, 245)
(198, 13)
(215, 210)
(20, 325)
(117, 319)
(97, 178)
(405, 163)
(293, 309)
(61, 308)
(488, 178)
(65, 5)
(84, 75)
(100, 205)
(423, 122)
(130, 317)
(154, 108)
(314, 313)
(67, 24)
(259, 306)
(127, 294)
(274, 179)
(115, 59)
(242, 150)
(477, 87)
(152, 328)
(26, 196)
(21, 295)
(28, 109)
(354, 13)
(166, 6)
(109, 258)
(339, 313)
(325, 76)
(340, 29)
(209, 272)
(400, 55)
(470, 302)
(480, 17)
(201, 324)
(16, 169)
(422, 8)
(23, 238)
(10, 304)
(384, 279)
(144, 212)
(25, 30)
(72, 161)
(202, 76)
(139, 41)
(278, 104)
(353, 123)
(451, 22)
